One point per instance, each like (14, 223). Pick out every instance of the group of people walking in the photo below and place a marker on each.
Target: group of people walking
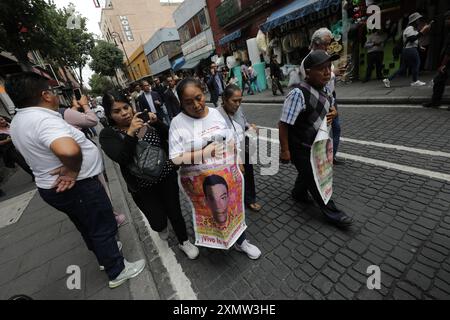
(176, 125)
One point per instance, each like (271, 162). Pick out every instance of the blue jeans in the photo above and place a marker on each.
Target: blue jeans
(336, 127)
(411, 61)
(89, 208)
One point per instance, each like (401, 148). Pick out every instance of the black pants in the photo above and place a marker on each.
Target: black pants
(162, 201)
(375, 59)
(276, 85)
(246, 82)
(89, 208)
(439, 85)
(249, 177)
(249, 184)
(305, 182)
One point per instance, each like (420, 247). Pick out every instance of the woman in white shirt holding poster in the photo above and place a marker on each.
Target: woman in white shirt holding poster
(203, 145)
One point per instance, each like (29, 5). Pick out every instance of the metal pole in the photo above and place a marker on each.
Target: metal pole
(126, 55)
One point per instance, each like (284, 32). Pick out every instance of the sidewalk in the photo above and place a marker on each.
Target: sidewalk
(372, 92)
(36, 251)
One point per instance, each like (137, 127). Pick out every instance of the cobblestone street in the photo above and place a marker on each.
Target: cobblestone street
(401, 219)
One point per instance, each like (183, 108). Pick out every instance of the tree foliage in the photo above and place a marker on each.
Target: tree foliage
(100, 84)
(27, 25)
(106, 58)
(23, 27)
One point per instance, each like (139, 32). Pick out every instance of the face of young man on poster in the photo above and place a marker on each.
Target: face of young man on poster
(217, 200)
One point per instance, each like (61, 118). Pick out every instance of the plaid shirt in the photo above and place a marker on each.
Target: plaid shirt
(295, 104)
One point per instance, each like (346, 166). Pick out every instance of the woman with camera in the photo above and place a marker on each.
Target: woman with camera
(157, 198)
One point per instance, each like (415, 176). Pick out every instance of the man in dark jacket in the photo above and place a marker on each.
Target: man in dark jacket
(441, 79)
(171, 99)
(276, 74)
(215, 83)
(159, 88)
(151, 101)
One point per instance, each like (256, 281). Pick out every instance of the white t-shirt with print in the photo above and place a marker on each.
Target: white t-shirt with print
(34, 129)
(189, 134)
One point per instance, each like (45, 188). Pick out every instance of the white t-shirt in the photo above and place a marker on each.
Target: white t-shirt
(34, 129)
(409, 32)
(99, 111)
(188, 134)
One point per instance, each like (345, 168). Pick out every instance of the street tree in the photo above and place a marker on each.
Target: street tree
(71, 45)
(23, 27)
(106, 58)
(100, 84)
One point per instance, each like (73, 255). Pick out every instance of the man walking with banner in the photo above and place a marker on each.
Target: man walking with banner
(304, 138)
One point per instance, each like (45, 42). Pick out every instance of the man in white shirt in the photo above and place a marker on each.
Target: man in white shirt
(66, 166)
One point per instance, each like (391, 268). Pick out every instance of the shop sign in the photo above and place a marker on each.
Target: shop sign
(227, 11)
(126, 28)
(313, 17)
(195, 44)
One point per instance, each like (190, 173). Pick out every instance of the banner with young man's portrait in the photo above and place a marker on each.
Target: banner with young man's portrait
(216, 196)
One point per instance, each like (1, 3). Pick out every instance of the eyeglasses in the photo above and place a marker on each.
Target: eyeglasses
(55, 91)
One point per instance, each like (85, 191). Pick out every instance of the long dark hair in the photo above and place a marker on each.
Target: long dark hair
(187, 82)
(108, 102)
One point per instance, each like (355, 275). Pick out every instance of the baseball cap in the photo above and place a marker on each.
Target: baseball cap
(318, 57)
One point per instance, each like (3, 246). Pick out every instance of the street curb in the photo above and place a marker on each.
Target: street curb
(144, 286)
(158, 275)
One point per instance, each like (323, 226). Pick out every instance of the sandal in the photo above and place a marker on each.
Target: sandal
(255, 207)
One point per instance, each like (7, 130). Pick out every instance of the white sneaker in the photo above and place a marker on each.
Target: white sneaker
(189, 249)
(131, 270)
(387, 83)
(164, 235)
(252, 251)
(119, 245)
(418, 83)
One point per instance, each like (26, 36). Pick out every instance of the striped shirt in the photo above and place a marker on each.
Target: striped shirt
(295, 104)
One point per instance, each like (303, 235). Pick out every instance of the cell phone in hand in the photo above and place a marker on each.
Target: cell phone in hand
(144, 116)
(77, 93)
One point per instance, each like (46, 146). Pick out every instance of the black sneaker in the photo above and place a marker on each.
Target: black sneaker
(340, 220)
(337, 162)
(2, 194)
(431, 105)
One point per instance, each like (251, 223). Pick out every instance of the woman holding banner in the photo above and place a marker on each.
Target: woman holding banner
(203, 145)
(236, 121)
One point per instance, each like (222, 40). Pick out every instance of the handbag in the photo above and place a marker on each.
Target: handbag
(148, 161)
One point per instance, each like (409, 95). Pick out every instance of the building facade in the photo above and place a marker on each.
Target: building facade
(139, 67)
(196, 36)
(162, 49)
(130, 23)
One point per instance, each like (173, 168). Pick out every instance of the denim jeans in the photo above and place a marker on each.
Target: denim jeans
(411, 61)
(89, 208)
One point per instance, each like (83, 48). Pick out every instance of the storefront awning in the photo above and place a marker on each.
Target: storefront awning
(294, 11)
(192, 64)
(230, 37)
(178, 63)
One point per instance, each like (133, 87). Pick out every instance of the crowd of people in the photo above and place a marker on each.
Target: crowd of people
(171, 122)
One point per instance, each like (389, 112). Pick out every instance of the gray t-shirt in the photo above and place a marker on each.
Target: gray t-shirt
(409, 32)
